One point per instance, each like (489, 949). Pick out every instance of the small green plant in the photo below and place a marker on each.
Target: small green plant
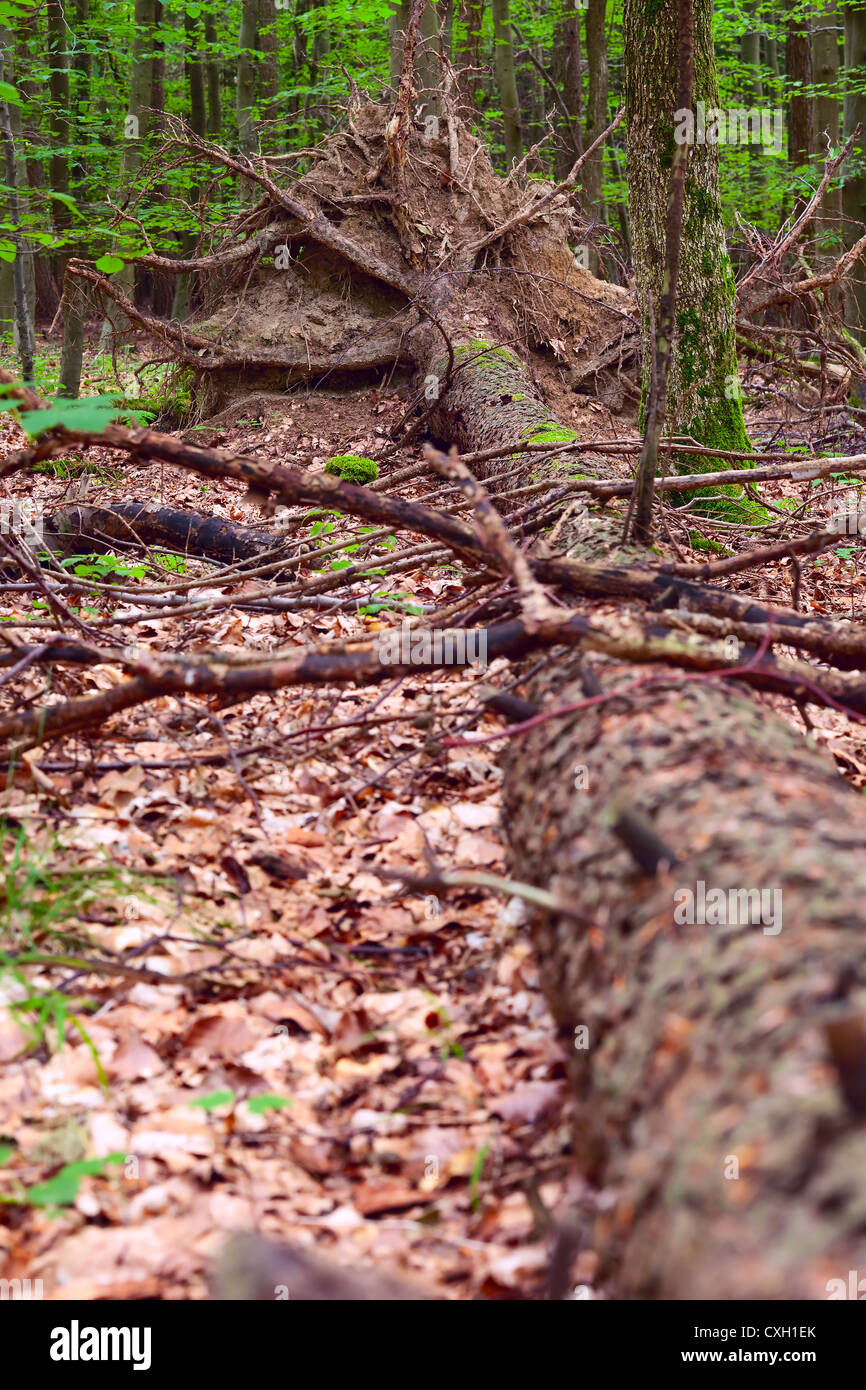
(105, 568)
(475, 1176)
(383, 601)
(62, 1189)
(257, 1105)
(352, 468)
(175, 563)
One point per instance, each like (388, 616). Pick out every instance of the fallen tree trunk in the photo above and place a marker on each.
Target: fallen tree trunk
(707, 1104)
(126, 524)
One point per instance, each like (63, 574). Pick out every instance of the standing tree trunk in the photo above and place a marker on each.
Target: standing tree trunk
(750, 52)
(596, 115)
(854, 188)
(825, 72)
(568, 80)
(23, 320)
(468, 56)
(269, 77)
(59, 124)
(214, 107)
(81, 66)
(194, 69)
(798, 50)
(135, 133)
(245, 91)
(506, 80)
(72, 352)
(703, 397)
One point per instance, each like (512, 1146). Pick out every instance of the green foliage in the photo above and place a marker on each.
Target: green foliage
(62, 1189)
(352, 468)
(88, 415)
(105, 568)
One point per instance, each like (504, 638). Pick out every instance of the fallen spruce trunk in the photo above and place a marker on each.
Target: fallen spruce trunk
(714, 1011)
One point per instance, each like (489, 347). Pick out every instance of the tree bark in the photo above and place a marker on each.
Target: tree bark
(703, 392)
(134, 136)
(568, 74)
(59, 124)
(596, 114)
(214, 106)
(245, 90)
(825, 71)
(750, 53)
(468, 56)
(798, 50)
(23, 318)
(854, 188)
(195, 76)
(506, 81)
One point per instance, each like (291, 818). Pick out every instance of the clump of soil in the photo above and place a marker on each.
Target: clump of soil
(525, 289)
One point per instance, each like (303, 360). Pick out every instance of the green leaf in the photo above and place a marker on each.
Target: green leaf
(213, 1101)
(109, 264)
(62, 1189)
(6, 1152)
(259, 1104)
(10, 93)
(92, 414)
(7, 251)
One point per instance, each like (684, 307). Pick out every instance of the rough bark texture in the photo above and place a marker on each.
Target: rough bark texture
(706, 1043)
(703, 399)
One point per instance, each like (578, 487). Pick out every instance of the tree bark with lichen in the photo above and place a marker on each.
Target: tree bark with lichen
(703, 390)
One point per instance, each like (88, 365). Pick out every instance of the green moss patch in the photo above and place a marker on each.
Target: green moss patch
(353, 468)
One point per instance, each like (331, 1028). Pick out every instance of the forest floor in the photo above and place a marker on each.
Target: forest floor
(358, 1068)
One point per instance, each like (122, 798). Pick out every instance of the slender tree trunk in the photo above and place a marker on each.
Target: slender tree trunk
(23, 320)
(81, 69)
(506, 81)
(72, 353)
(703, 397)
(750, 53)
(269, 77)
(429, 69)
(245, 92)
(825, 72)
(798, 49)
(468, 55)
(214, 105)
(195, 76)
(59, 123)
(568, 80)
(320, 50)
(596, 114)
(854, 188)
(135, 132)
(30, 261)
